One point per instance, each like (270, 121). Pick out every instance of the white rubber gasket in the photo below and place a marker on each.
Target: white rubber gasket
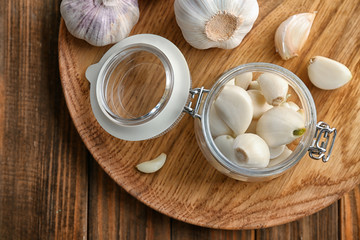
(175, 105)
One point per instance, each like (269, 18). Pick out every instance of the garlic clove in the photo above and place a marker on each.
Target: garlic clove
(254, 85)
(243, 80)
(284, 155)
(225, 144)
(231, 82)
(252, 126)
(259, 103)
(292, 34)
(222, 24)
(280, 125)
(152, 165)
(328, 74)
(273, 87)
(252, 150)
(100, 22)
(217, 125)
(276, 151)
(234, 107)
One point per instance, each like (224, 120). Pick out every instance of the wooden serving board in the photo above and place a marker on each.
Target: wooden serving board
(188, 188)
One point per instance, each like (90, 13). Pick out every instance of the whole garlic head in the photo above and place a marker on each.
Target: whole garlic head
(215, 23)
(100, 22)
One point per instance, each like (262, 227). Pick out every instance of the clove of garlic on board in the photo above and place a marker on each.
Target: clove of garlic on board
(234, 107)
(284, 155)
(100, 22)
(273, 87)
(215, 23)
(259, 103)
(217, 125)
(243, 80)
(328, 74)
(251, 150)
(276, 151)
(152, 165)
(280, 125)
(292, 34)
(225, 144)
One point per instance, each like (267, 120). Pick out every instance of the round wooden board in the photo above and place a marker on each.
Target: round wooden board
(187, 187)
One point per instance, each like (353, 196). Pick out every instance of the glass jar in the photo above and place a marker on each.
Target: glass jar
(142, 86)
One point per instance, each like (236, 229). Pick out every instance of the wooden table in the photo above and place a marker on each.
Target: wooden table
(51, 187)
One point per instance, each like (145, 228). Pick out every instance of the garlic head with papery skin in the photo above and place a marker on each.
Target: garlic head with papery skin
(328, 74)
(215, 23)
(292, 34)
(280, 125)
(100, 22)
(273, 87)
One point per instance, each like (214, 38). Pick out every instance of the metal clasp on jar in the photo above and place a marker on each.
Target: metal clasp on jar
(320, 148)
(194, 112)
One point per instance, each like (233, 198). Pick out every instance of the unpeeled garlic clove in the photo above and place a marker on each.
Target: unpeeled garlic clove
(243, 80)
(234, 107)
(273, 87)
(284, 155)
(280, 125)
(152, 165)
(276, 151)
(251, 150)
(225, 144)
(254, 85)
(328, 74)
(217, 125)
(292, 34)
(259, 103)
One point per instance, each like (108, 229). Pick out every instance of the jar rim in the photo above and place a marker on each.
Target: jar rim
(305, 97)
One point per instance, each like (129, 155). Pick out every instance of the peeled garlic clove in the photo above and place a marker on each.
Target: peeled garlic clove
(259, 103)
(252, 126)
(280, 125)
(251, 150)
(243, 80)
(276, 151)
(273, 87)
(328, 74)
(225, 144)
(234, 107)
(284, 155)
(292, 34)
(222, 24)
(100, 22)
(254, 85)
(231, 82)
(152, 165)
(217, 125)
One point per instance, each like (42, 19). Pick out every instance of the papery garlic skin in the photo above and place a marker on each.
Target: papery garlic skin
(100, 22)
(328, 74)
(250, 149)
(280, 125)
(215, 23)
(152, 165)
(217, 125)
(234, 107)
(292, 34)
(243, 80)
(273, 87)
(259, 103)
(284, 155)
(225, 144)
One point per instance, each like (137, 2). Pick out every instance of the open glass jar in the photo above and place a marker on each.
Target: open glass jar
(141, 88)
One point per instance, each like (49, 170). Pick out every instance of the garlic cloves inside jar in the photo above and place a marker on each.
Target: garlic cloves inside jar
(217, 125)
(222, 24)
(259, 103)
(328, 74)
(243, 80)
(100, 22)
(284, 155)
(292, 34)
(273, 87)
(225, 144)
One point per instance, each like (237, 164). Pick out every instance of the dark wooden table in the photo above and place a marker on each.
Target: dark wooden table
(51, 187)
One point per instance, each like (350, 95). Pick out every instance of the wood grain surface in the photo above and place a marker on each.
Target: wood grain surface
(51, 187)
(187, 187)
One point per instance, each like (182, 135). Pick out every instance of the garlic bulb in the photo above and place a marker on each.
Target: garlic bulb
(152, 165)
(100, 22)
(273, 87)
(251, 150)
(217, 125)
(215, 23)
(280, 125)
(243, 80)
(259, 103)
(284, 155)
(328, 74)
(292, 34)
(235, 108)
(225, 144)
